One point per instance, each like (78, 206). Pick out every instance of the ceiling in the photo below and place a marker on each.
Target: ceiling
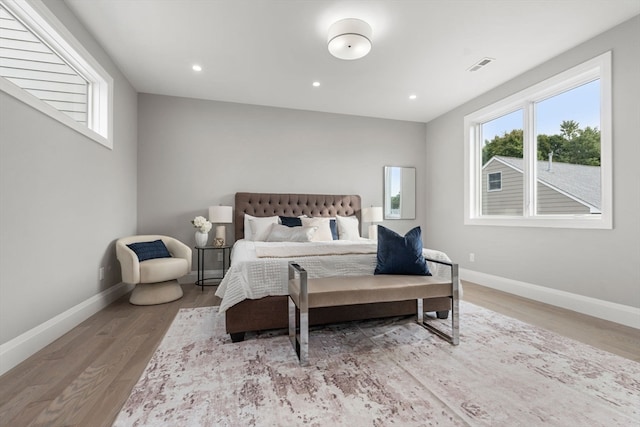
(269, 52)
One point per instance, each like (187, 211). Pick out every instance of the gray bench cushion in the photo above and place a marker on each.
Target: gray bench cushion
(348, 290)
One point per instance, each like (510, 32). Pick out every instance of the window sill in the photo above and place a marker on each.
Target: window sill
(548, 221)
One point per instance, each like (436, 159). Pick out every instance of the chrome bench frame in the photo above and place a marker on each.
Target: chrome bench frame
(299, 333)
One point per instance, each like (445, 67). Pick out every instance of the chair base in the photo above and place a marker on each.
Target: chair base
(156, 293)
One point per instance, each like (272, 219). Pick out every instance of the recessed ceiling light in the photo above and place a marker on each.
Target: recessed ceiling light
(316, 84)
(196, 67)
(413, 96)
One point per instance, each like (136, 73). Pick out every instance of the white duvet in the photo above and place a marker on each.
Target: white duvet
(260, 269)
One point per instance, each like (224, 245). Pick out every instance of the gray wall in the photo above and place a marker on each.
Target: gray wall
(602, 264)
(64, 200)
(195, 153)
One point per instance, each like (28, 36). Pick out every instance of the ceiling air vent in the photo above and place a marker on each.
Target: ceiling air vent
(483, 62)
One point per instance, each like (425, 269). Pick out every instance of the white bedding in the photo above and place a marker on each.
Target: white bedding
(260, 269)
(334, 247)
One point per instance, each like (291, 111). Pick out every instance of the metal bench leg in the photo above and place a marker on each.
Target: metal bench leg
(292, 322)
(299, 341)
(454, 338)
(455, 309)
(303, 354)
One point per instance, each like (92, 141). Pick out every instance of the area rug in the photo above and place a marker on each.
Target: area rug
(384, 372)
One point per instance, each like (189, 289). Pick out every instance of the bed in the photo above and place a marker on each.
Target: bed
(254, 292)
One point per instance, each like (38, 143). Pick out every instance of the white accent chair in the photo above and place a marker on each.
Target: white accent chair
(155, 280)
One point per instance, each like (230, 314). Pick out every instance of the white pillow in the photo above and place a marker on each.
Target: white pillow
(323, 233)
(248, 232)
(282, 233)
(348, 227)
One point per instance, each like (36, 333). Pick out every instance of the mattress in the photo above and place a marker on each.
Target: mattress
(260, 269)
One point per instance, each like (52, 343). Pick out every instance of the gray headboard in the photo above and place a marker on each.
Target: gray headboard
(270, 204)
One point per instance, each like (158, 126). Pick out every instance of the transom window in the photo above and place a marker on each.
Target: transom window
(542, 157)
(44, 66)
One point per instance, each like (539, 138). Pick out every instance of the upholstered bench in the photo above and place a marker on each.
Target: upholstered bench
(306, 294)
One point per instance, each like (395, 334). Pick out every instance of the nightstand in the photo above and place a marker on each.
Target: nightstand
(226, 261)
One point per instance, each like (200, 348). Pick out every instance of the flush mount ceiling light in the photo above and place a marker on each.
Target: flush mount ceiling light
(349, 39)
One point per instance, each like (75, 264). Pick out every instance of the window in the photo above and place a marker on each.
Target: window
(44, 66)
(542, 157)
(494, 181)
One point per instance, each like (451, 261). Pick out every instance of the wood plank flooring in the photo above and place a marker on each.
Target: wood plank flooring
(609, 336)
(84, 378)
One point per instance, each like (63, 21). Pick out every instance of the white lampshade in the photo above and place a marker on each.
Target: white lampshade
(349, 39)
(372, 214)
(221, 214)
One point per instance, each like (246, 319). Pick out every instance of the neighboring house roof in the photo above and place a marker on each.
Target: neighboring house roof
(579, 182)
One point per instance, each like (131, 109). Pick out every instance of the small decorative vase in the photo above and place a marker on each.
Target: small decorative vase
(201, 238)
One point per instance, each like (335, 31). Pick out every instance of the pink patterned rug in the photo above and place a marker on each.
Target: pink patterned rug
(382, 372)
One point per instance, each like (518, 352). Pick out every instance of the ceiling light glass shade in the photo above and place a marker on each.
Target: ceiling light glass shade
(349, 39)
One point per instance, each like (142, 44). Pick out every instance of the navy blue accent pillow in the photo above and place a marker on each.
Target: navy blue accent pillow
(334, 229)
(150, 250)
(401, 254)
(291, 221)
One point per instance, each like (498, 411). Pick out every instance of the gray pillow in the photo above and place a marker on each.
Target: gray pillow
(282, 233)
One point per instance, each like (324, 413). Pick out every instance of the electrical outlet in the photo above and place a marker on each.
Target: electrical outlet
(472, 257)
(219, 256)
(101, 273)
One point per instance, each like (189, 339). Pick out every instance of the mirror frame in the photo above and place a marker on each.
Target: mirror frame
(409, 186)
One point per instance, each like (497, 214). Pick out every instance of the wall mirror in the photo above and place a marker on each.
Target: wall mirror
(399, 192)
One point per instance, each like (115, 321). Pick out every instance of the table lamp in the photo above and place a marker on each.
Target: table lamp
(220, 215)
(372, 215)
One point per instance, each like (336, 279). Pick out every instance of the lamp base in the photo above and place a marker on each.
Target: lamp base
(221, 234)
(373, 232)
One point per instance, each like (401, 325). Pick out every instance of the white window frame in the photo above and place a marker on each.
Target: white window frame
(39, 19)
(489, 189)
(596, 68)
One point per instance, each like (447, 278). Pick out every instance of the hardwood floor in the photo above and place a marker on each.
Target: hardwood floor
(609, 336)
(84, 378)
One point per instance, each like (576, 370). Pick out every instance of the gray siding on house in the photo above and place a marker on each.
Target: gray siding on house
(507, 201)
(578, 185)
(32, 65)
(552, 202)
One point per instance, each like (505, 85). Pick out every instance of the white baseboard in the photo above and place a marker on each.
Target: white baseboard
(21, 347)
(618, 313)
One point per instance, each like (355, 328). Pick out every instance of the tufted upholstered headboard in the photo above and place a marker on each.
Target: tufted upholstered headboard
(269, 204)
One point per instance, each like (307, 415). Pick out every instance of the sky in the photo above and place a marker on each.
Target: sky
(581, 104)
